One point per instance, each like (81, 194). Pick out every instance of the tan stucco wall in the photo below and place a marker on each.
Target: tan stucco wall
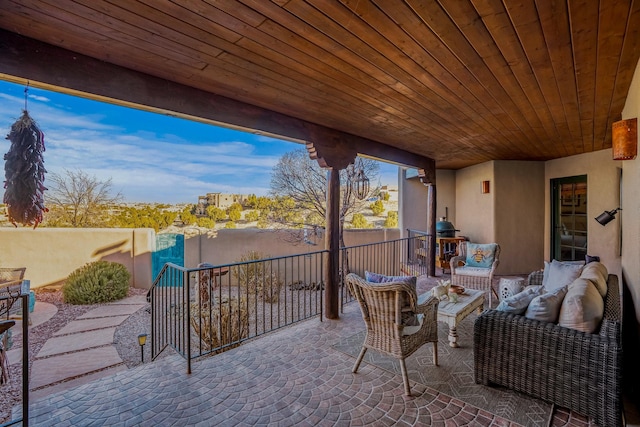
(51, 254)
(518, 190)
(227, 246)
(413, 200)
(630, 214)
(603, 193)
(475, 211)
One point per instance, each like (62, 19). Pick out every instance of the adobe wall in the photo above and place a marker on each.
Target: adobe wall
(51, 254)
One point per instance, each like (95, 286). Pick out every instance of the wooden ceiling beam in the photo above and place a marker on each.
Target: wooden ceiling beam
(58, 69)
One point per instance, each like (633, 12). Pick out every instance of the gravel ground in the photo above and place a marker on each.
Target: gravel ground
(126, 342)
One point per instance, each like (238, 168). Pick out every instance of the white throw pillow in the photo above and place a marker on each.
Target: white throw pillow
(561, 274)
(546, 307)
(597, 273)
(518, 303)
(582, 308)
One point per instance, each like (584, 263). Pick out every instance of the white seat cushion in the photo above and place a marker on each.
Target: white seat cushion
(473, 271)
(410, 330)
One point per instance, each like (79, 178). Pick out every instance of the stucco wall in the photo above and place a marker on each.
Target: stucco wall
(51, 254)
(474, 210)
(630, 214)
(518, 190)
(227, 246)
(603, 193)
(413, 199)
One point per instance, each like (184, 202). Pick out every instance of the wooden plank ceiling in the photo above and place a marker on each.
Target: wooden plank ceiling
(459, 81)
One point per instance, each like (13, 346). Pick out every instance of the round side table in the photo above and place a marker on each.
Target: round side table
(510, 286)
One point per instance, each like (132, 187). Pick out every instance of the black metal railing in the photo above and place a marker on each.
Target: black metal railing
(399, 257)
(10, 293)
(224, 305)
(205, 310)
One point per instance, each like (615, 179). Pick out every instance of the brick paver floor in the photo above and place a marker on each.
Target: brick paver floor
(288, 377)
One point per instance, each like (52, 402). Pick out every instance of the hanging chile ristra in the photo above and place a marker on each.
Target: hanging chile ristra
(24, 173)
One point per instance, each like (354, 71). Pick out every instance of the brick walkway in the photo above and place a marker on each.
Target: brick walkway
(289, 377)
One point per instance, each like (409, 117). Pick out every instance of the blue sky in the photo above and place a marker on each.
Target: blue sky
(149, 157)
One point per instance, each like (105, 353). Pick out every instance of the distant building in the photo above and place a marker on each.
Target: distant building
(219, 200)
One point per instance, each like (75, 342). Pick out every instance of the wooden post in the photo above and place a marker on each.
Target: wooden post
(431, 229)
(332, 261)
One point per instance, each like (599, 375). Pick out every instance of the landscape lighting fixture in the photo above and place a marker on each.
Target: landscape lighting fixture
(142, 340)
(607, 216)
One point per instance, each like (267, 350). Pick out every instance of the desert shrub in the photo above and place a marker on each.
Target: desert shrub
(252, 216)
(359, 221)
(377, 207)
(257, 277)
(392, 219)
(226, 322)
(96, 282)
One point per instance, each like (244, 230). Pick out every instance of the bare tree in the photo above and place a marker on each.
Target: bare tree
(76, 199)
(302, 180)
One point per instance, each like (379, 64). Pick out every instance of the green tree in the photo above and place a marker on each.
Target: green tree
(144, 217)
(235, 211)
(206, 222)
(359, 221)
(251, 216)
(392, 220)
(187, 216)
(377, 207)
(216, 214)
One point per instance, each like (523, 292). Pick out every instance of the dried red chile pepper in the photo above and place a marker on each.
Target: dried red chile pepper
(24, 172)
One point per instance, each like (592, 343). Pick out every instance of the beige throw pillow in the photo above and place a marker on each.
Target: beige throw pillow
(582, 308)
(597, 273)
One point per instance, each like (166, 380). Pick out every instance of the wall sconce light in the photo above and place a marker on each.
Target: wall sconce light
(625, 139)
(485, 187)
(607, 216)
(142, 340)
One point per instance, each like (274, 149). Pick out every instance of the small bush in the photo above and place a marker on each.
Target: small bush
(225, 323)
(96, 282)
(257, 277)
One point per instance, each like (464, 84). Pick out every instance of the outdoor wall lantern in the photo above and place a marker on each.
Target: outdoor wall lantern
(142, 340)
(362, 185)
(607, 216)
(625, 139)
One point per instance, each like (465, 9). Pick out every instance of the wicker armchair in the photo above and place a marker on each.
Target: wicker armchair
(573, 369)
(382, 309)
(473, 277)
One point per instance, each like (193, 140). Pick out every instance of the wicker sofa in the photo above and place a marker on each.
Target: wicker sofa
(572, 369)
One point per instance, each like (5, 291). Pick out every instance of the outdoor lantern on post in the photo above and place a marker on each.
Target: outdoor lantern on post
(362, 184)
(142, 340)
(607, 216)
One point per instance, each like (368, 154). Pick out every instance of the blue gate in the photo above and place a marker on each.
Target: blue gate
(169, 248)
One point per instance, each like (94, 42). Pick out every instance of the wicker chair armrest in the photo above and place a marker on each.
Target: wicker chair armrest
(426, 303)
(535, 278)
(455, 261)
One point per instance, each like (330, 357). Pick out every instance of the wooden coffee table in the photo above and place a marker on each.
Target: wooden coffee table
(452, 313)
